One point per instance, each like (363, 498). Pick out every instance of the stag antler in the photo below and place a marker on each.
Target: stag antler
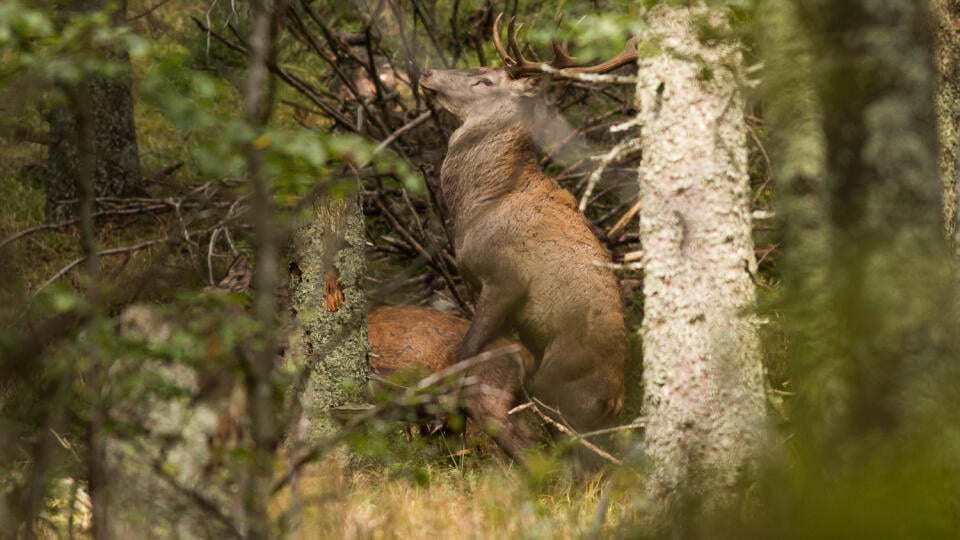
(521, 67)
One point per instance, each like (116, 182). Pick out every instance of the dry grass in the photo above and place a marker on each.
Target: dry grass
(494, 501)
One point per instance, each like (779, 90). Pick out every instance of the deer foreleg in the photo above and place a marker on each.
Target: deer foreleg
(492, 310)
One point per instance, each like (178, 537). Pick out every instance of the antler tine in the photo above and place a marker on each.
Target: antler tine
(513, 34)
(507, 60)
(561, 58)
(519, 66)
(628, 55)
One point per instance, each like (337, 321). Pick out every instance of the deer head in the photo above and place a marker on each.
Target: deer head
(470, 93)
(485, 92)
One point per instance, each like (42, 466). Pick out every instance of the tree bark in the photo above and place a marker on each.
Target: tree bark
(947, 58)
(704, 394)
(329, 306)
(110, 102)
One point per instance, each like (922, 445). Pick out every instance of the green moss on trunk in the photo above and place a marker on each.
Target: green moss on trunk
(333, 339)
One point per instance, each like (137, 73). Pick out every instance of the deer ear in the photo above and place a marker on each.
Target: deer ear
(528, 86)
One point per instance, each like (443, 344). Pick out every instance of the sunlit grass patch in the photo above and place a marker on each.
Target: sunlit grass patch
(495, 501)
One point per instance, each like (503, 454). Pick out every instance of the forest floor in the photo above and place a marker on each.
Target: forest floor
(496, 500)
(445, 493)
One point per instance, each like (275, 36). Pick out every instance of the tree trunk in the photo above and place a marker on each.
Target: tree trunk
(99, 482)
(262, 402)
(704, 395)
(885, 212)
(330, 310)
(110, 102)
(947, 57)
(868, 286)
(795, 119)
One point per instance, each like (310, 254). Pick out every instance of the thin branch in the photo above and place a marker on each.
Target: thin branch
(618, 266)
(114, 251)
(625, 147)
(414, 396)
(624, 220)
(429, 26)
(332, 62)
(209, 25)
(566, 430)
(148, 11)
(204, 503)
(766, 158)
(615, 429)
(396, 134)
(213, 241)
(60, 225)
(589, 77)
(436, 264)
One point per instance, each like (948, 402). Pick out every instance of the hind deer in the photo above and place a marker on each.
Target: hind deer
(414, 338)
(521, 244)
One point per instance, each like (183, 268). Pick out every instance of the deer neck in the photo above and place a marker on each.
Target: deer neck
(485, 162)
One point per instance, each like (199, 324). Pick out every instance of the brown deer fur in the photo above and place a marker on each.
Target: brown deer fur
(413, 337)
(527, 252)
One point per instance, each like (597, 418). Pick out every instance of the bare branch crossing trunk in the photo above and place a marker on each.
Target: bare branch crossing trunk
(704, 395)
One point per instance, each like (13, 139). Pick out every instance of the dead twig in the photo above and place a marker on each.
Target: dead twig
(624, 220)
(403, 129)
(434, 263)
(562, 427)
(114, 251)
(625, 147)
(756, 140)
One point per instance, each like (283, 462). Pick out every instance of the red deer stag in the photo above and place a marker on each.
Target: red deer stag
(419, 338)
(521, 244)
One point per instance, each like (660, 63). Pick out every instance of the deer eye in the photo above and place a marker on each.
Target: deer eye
(484, 81)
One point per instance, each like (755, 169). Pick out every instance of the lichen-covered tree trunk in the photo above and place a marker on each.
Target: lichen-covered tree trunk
(947, 56)
(329, 308)
(704, 393)
(110, 103)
